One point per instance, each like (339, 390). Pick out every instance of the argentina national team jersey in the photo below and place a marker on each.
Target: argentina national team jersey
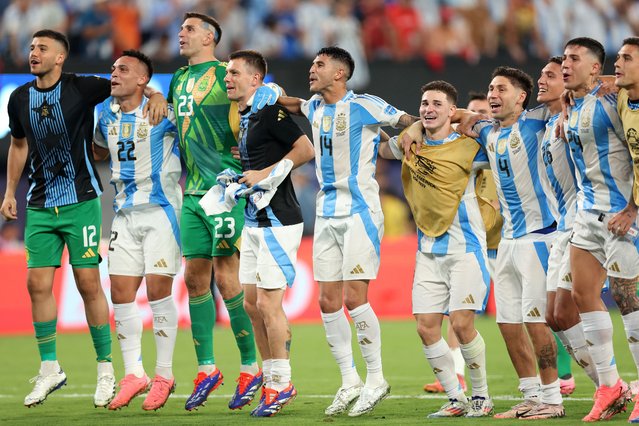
(602, 160)
(346, 139)
(145, 160)
(467, 232)
(514, 159)
(560, 175)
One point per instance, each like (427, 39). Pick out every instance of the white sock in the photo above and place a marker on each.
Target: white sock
(458, 358)
(165, 324)
(578, 348)
(105, 368)
(49, 367)
(631, 325)
(206, 368)
(281, 373)
(530, 387)
(338, 336)
(128, 326)
(369, 337)
(598, 332)
(250, 368)
(551, 394)
(474, 354)
(441, 360)
(267, 371)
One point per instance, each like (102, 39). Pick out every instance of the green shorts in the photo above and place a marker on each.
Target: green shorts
(48, 229)
(210, 236)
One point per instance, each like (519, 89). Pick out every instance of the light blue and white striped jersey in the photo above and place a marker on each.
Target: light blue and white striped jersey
(560, 175)
(467, 232)
(145, 159)
(346, 139)
(602, 160)
(514, 159)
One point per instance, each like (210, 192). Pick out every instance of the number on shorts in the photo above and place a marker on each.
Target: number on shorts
(88, 235)
(219, 223)
(114, 236)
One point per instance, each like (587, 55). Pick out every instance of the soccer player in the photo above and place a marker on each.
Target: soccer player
(349, 224)
(51, 121)
(451, 274)
(272, 235)
(512, 143)
(484, 186)
(604, 173)
(207, 123)
(627, 78)
(145, 238)
(561, 312)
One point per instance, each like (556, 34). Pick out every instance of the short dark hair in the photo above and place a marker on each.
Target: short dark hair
(444, 87)
(340, 55)
(253, 59)
(591, 44)
(217, 34)
(555, 60)
(631, 40)
(142, 58)
(517, 78)
(55, 35)
(476, 96)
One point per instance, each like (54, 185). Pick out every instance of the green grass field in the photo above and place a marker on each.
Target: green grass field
(314, 373)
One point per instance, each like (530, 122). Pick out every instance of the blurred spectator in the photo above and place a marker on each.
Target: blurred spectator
(375, 31)
(621, 23)
(10, 237)
(551, 24)
(586, 19)
(51, 15)
(92, 31)
(18, 25)
(450, 38)
(312, 16)
(267, 39)
(232, 19)
(125, 21)
(343, 30)
(405, 29)
(521, 36)
(286, 25)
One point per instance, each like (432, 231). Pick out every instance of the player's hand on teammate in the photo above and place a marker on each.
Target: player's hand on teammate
(468, 121)
(252, 177)
(235, 152)
(265, 95)
(413, 134)
(157, 108)
(622, 221)
(9, 208)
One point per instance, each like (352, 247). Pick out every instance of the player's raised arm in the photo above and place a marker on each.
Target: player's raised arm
(18, 152)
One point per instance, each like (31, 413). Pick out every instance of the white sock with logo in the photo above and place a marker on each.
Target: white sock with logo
(165, 325)
(369, 337)
(338, 336)
(128, 327)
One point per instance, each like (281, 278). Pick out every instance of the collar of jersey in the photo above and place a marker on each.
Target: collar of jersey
(449, 138)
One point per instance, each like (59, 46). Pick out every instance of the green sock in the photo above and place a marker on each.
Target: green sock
(563, 359)
(46, 337)
(242, 329)
(101, 335)
(202, 310)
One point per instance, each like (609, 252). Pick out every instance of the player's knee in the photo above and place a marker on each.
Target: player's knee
(38, 289)
(428, 334)
(551, 320)
(329, 304)
(353, 301)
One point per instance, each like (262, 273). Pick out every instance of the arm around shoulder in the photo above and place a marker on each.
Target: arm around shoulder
(292, 104)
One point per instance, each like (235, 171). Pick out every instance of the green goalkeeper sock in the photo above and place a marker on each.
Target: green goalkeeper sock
(563, 359)
(101, 335)
(242, 329)
(202, 310)
(45, 333)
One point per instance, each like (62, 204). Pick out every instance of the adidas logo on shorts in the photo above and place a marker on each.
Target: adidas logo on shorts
(89, 253)
(534, 313)
(161, 264)
(357, 270)
(469, 299)
(614, 267)
(223, 245)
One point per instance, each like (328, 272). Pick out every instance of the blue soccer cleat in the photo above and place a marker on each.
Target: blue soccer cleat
(204, 385)
(247, 386)
(273, 401)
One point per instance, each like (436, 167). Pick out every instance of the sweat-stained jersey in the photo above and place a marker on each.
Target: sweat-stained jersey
(630, 121)
(514, 159)
(207, 122)
(603, 164)
(58, 125)
(560, 174)
(145, 160)
(346, 139)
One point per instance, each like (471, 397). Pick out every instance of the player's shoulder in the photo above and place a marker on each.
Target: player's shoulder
(180, 71)
(21, 90)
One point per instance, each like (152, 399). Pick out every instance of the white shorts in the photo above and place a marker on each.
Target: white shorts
(145, 241)
(347, 248)
(268, 255)
(520, 279)
(618, 255)
(559, 263)
(450, 282)
(492, 260)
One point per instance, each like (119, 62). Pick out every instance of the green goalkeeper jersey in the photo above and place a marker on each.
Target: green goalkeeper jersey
(207, 121)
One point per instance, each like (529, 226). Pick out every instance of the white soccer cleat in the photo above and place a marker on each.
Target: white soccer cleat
(480, 407)
(343, 399)
(368, 399)
(44, 385)
(104, 391)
